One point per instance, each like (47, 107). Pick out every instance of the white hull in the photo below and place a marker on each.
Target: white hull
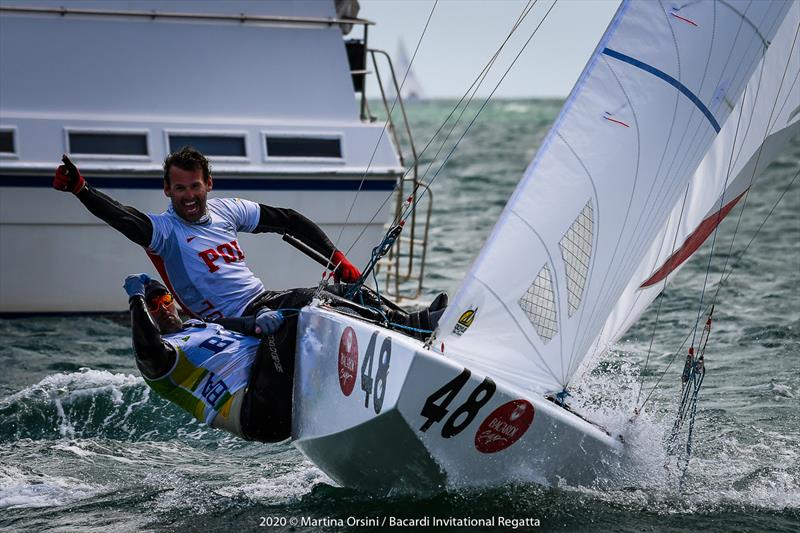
(381, 448)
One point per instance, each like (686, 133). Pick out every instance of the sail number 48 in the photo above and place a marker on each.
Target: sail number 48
(376, 386)
(465, 413)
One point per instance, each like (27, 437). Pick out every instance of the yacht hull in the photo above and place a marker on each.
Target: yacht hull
(376, 410)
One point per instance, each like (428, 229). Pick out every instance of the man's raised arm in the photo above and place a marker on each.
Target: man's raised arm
(129, 221)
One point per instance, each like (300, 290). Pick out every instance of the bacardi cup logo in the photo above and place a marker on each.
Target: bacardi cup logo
(505, 426)
(348, 360)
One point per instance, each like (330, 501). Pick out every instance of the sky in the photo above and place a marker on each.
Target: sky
(463, 35)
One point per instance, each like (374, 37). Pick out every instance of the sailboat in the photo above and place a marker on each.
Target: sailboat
(678, 111)
(411, 89)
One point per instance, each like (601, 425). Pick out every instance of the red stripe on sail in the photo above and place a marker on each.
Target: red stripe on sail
(693, 23)
(158, 262)
(617, 121)
(691, 244)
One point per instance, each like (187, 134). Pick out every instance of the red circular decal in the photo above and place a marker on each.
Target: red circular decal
(348, 360)
(505, 426)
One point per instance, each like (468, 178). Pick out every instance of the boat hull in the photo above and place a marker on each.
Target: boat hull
(436, 425)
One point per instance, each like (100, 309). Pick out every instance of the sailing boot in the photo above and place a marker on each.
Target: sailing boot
(427, 319)
(439, 303)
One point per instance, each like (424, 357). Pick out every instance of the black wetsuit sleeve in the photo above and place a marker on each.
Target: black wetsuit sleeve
(154, 357)
(129, 221)
(281, 220)
(245, 325)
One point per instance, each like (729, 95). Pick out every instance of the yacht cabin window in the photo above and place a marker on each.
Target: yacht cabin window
(303, 146)
(103, 143)
(8, 146)
(210, 145)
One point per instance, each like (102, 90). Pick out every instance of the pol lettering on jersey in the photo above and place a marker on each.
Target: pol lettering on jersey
(203, 262)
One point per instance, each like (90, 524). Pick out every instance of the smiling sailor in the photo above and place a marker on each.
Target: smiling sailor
(194, 243)
(234, 374)
(220, 373)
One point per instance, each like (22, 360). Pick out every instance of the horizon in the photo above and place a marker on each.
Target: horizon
(460, 39)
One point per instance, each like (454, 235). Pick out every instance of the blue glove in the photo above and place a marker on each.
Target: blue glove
(268, 322)
(134, 285)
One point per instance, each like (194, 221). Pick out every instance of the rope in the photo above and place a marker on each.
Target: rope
(375, 150)
(694, 373)
(391, 235)
(480, 110)
(472, 88)
(562, 397)
(377, 253)
(722, 283)
(723, 277)
(418, 330)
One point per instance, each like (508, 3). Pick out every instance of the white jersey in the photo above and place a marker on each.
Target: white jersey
(202, 262)
(212, 365)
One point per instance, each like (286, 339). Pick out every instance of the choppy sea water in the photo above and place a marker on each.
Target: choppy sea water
(85, 446)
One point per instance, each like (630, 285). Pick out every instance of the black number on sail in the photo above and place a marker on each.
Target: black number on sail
(366, 368)
(436, 412)
(383, 371)
(471, 407)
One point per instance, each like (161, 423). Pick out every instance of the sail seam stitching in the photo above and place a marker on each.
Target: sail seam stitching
(556, 292)
(536, 351)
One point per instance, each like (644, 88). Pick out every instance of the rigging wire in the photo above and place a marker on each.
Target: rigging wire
(755, 166)
(380, 137)
(478, 80)
(480, 110)
(674, 243)
(723, 277)
(694, 370)
(723, 282)
(752, 179)
(658, 309)
(753, 64)
(388, 239)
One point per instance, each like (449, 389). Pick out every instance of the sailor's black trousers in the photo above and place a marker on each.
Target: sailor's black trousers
(266, 413)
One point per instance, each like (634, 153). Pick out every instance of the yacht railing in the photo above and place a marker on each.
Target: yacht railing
(405, 261)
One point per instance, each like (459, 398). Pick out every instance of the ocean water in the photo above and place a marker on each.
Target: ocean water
(84, 444)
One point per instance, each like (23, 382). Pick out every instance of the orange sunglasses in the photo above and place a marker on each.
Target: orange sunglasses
(165, 300)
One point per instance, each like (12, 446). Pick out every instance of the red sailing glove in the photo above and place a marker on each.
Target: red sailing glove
(345, 271)
(68, 178)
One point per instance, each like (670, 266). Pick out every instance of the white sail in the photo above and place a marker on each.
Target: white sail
(766, 117)
(411, 89)
(607, 179)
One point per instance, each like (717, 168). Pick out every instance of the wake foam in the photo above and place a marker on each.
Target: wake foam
(19, 489)
(85, 404)
(749, 467)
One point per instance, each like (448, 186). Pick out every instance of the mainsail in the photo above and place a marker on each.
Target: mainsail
(663, 130)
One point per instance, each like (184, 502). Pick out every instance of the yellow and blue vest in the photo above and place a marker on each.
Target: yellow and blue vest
(212, 364)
